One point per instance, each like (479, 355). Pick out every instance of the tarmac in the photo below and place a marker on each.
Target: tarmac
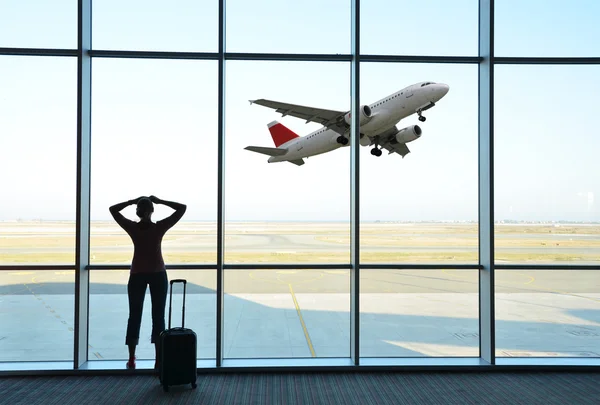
(306, 313)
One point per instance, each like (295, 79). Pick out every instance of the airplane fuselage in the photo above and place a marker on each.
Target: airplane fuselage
(385, 114)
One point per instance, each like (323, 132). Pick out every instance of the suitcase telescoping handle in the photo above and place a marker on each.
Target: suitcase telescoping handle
(171, 301)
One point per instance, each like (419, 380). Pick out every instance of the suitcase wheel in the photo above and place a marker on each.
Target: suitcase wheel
(194, 385)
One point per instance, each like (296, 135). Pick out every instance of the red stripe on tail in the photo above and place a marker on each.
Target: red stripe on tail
(280, 133)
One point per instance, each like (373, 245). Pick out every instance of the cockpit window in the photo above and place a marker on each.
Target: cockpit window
(426, 84)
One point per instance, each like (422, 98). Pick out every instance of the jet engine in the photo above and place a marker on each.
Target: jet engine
(408, 134)
(365, 115)
(364, 140)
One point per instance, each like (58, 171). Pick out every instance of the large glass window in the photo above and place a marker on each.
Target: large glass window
(310, 26)
(287, 180)
(421, 207)
(547, 313)
(36, 314)
(419, 313)
(546, 164)
(408, 27)
(154, 132)
(287, 313)
(38, 24)
(546, 28)
(283, 212)
(38, 139)
(151, 25)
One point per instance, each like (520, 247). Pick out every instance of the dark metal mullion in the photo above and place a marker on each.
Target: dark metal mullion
(220, 190)
(38, 52)
(421, 59)
(101, 53)
(508, 60)
(108, 267)
(275, 266)
(421, 266)
(306, 57)
(82, 226)
(355, 186)
(546, 267)
(48, 267)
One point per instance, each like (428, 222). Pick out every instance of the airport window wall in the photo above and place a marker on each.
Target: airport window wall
(473, 244)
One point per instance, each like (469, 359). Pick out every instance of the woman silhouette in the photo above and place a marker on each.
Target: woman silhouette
(147, 267)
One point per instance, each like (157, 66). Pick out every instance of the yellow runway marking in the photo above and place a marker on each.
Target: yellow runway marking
(308, 341)
(280, 281)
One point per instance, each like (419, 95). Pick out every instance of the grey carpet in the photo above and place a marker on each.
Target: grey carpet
(311, 388)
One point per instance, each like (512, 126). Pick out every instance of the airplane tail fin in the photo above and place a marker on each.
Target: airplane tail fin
(280, 133)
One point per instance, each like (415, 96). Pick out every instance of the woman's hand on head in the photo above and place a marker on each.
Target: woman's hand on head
(154, 199)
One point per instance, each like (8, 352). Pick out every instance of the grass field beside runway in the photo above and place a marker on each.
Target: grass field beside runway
(256, 242)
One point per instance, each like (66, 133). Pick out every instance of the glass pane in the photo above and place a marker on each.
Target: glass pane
(421, 207)
(154, 132)
(287, 313)
(547, 28)
(419, 313)
(310, 26)
(408, 27)
(281, 212)
(36, 314)
(546, 165)
(547, 313)
(38, 127)
(38, 24)
(151, 25)
(108, 323)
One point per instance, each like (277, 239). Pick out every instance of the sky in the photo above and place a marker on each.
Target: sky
(154, 122)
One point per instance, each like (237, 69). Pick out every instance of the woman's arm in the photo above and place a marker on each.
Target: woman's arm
(116, 214)
(118, 207)
(174, 217)
(171, 204)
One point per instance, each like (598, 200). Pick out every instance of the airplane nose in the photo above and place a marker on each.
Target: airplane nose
(444, 88)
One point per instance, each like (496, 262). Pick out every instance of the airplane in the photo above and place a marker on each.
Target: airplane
(377, 125)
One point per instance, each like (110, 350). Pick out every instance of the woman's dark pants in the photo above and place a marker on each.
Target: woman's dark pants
(136, 290)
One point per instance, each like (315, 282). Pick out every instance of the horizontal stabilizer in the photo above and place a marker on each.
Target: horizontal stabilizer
(297, 162)
(267, 151)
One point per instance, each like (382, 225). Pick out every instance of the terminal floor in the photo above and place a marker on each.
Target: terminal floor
(311, 388)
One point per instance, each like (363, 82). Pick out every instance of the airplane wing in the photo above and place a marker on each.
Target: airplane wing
(329, 118)
(399, 148)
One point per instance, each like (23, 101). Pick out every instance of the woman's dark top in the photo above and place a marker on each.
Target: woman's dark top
(147, 238)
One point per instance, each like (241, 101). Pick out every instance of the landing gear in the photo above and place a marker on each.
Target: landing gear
(376, 151)
(421, 117)
(342, 140)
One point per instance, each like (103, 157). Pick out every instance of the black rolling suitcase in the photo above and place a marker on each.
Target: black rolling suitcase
(177, 350)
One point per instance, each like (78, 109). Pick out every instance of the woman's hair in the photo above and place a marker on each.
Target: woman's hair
(144, 206)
